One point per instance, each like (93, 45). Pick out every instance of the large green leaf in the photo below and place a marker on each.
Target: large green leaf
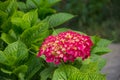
(2, 57)
(98, 60)
(20, 69)
(22, 6)
(3, 17)
(12, 7)
(3, 5)
(53, 2)
(32, 3)
(6, 26)
(87, 76)
(7, 38)
(47, 73)
(64, 72)
(34, 65)
(100, 50)
(31, 17)
(34, 33)
(23, 21)
(15, 53)
(100, 46)
(58, 19)
(68, 72)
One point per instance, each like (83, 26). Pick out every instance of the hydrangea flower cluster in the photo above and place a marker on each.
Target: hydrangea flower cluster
(66, 46)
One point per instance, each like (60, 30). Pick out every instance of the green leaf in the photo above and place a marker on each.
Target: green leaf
(15, 53)
(21, 76)
(87, 76)
(34, 65)
(34, 33)
(93, 64)
(53, 2)
(22, 6)
(7, 38)
(99, 60)
(100, 50)
(12, 7)
(57, 31)
(100, 46)
(103, 43)
(47, 73)
(30, 4)
(20, 69)
(2, 57)
(6, 71)
(95, 39)
(31, 17)
(68, 72)
(19, 24)
(64, 72)
(56, 19)
(3, 17)
(6, 26)
(3, 5)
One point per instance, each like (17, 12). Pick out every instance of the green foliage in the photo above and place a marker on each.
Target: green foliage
(47, 73)
(23, 28)
(43, 6)
(34, 65)
(100, 46)
(57, 19)
(7, 38)
(34, 33)
(14, 53)
(68, 72)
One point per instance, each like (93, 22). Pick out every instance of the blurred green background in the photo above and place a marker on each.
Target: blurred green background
(94, 17)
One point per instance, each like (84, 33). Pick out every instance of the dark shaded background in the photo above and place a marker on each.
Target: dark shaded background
(94, 17)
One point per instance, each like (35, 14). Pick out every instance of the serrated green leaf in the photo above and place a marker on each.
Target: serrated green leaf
(100, 46)
(64, 72)
(7, 38)
(95, 39)
(99, 60)
(56, 19)
(6, 71)
(18, 14)
(12, 7)
(68, 72)
(31, 17)
(22, 6)
(20, 69)
(103, 43)
(21, 76)
(6, 26)
(87, 76)
(3, 17)
(32, 34)
(100, 50)
(93, 64)
(47, 73)
(31, 4)
(3, 5)
(2, 57)
(19, 25)
(15, 53)
(34, 65)
(53, 2)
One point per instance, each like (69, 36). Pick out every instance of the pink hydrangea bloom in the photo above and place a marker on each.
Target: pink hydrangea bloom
(66, 46)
